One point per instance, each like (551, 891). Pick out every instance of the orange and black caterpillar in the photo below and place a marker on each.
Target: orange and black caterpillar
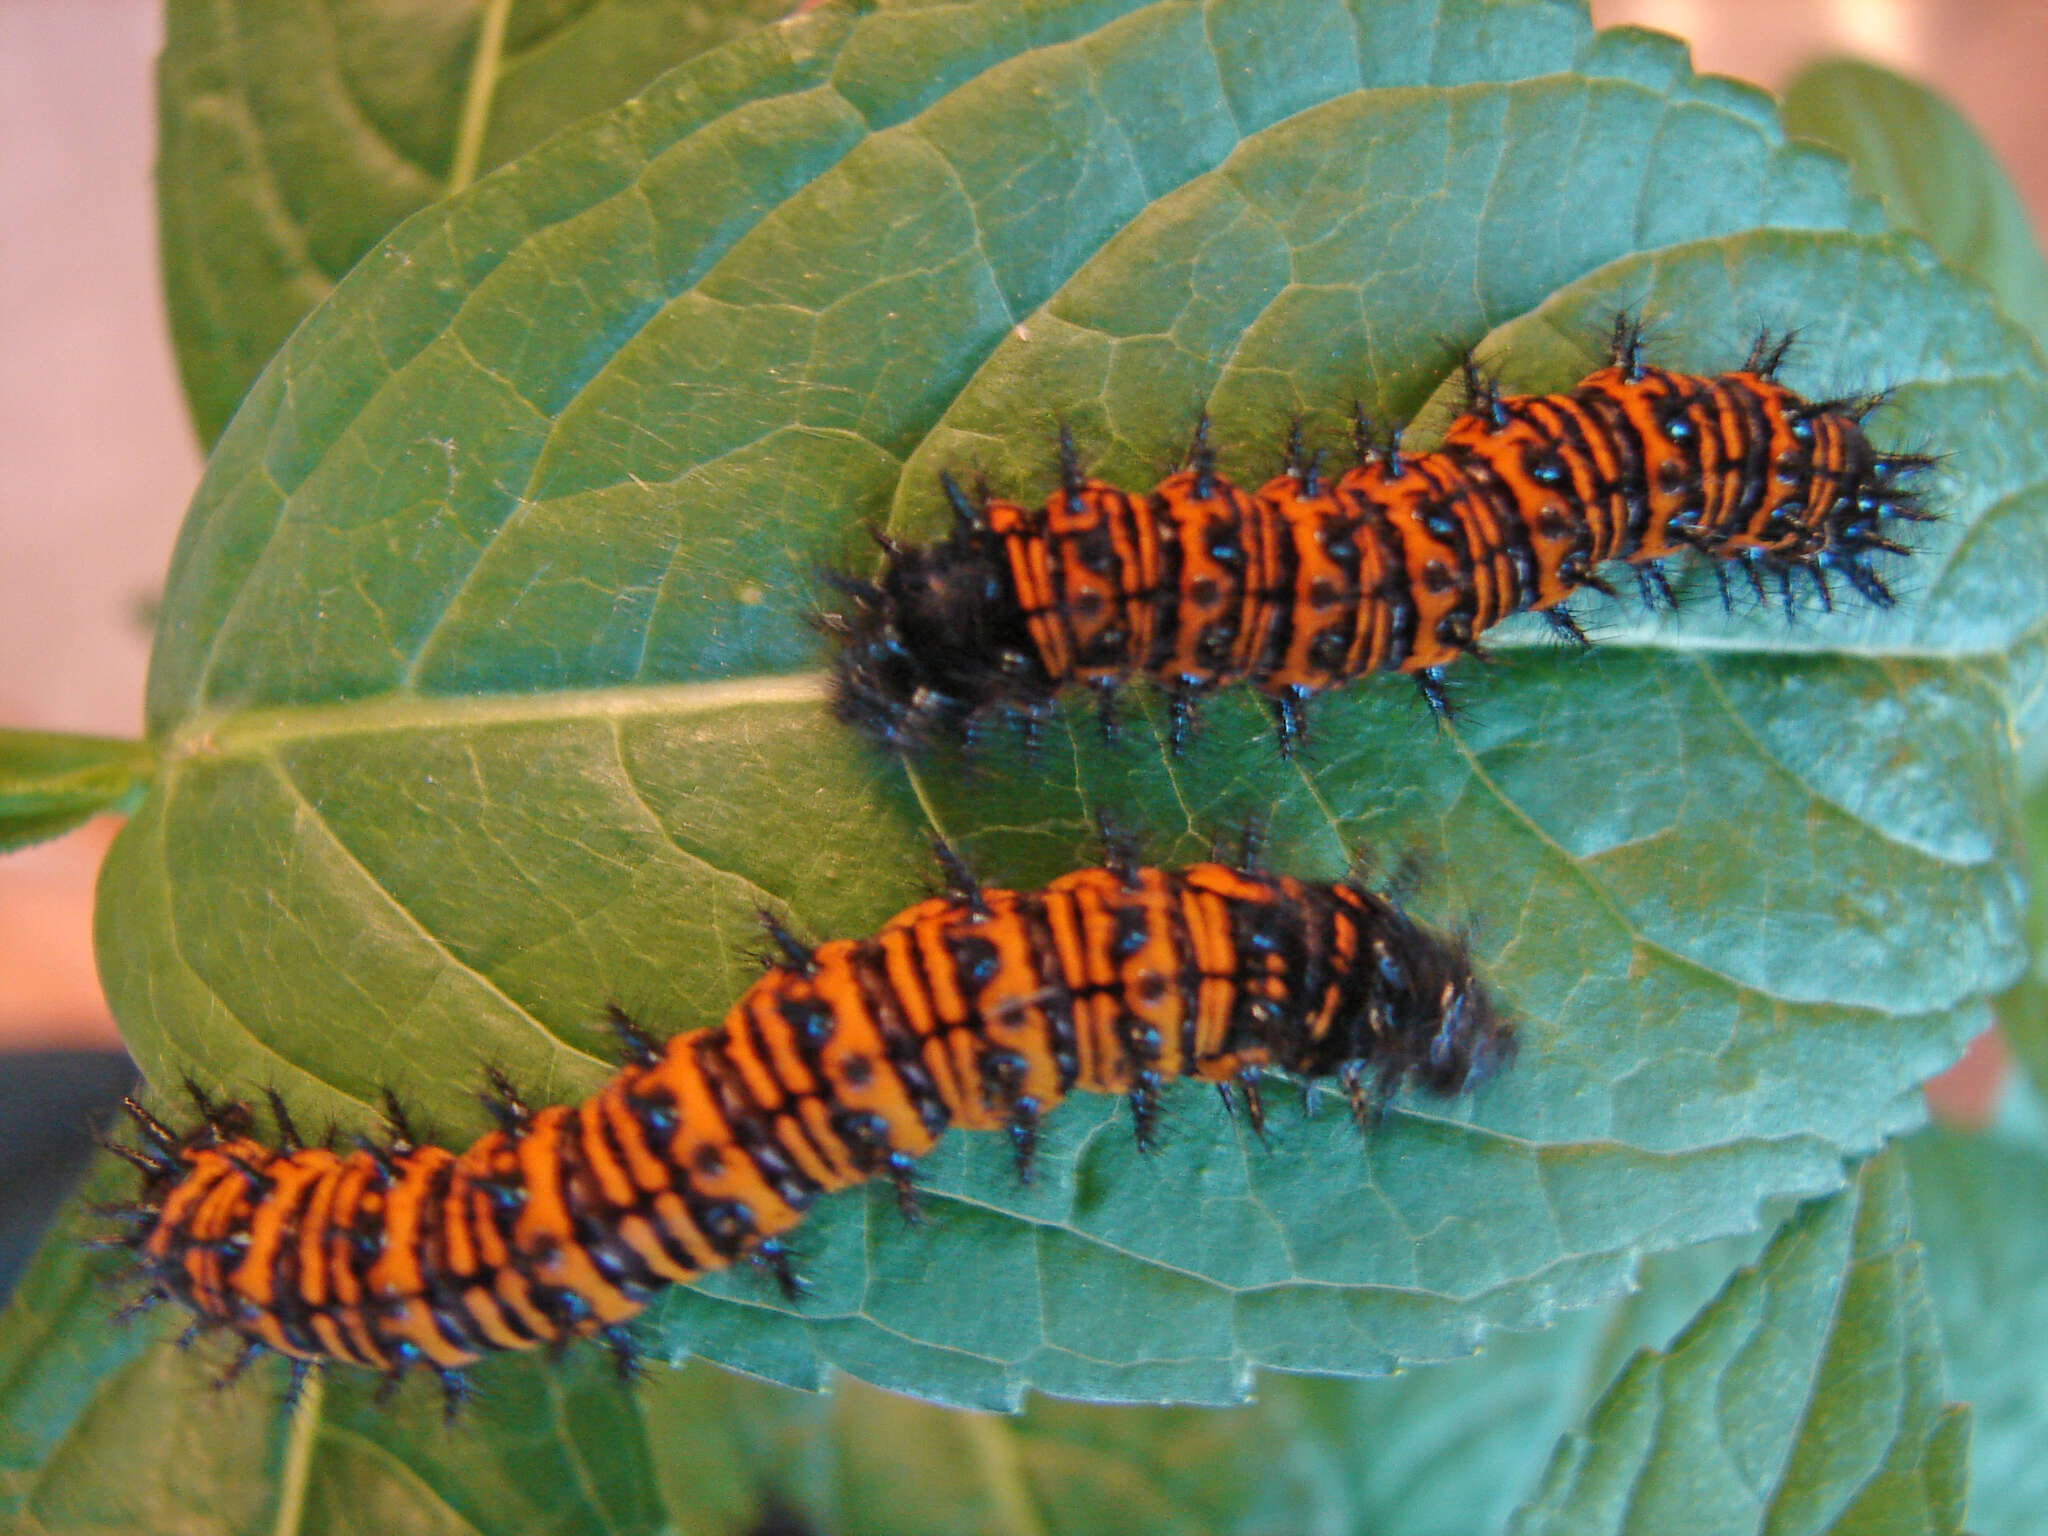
(981, 1009)
(1398, 564)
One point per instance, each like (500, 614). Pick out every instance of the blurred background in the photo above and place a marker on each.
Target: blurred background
(100, 457)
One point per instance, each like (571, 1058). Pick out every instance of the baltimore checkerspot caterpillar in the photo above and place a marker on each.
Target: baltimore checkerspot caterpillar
(982, 1008)
(1400, 563)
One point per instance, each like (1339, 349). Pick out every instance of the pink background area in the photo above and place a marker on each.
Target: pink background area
(99, 459)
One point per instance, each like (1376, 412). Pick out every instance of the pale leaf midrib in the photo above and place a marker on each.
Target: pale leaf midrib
(257, 731)
(254, 730)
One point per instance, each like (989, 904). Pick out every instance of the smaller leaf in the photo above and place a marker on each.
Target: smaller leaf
(293, 135)
(1806, 1397)
(1981, 1205)
(49, 783)
(560, 1445)
(1907, 145)
(2023, 1010)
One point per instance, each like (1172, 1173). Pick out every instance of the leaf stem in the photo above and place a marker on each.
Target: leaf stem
(995, 1447)
(298, 1456)
(924, 800)
(476, 100)
(258, 731)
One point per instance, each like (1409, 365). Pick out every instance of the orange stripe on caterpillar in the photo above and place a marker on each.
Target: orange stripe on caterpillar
(1398, 564)
(982, 1009)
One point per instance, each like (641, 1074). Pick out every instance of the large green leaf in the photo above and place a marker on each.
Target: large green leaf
(485, 695)
(1980, 1203)
(293, 134)
(50, 782)
(1936, 175)
(1807, 1398)
(1440, 1451)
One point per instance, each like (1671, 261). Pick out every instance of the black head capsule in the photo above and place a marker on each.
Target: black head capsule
(934, 645)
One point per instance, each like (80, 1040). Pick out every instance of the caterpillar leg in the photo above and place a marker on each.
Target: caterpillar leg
(287, 1133)
(1482, 392)
(794, 951)
(968, 514)
(503, 1101)
(1246, 1085)
(1413, 870)
(1202, 459)
(1625, 344)
(1429, 682)
(638, 1045)
(773, 1256)
(1867, 583)
(1785, 597)
(961, 884)
(1821, 589)
(1366, 1106)
(1654, 587)
(1144, 1100)
(1030, 721)
(148, 1301)
(232, 1372)
(1181, 717)
(398, 1124)
(456, 1392)
(617, 1340)
(1767, 357)
(1246, 853)
(1290, 719)
(1073, 479)
(1753, 569)
(902, 1175)
(1302, 463)
(1107, 719)
(1120, 855)
(1566, 628)
(1024, 1120)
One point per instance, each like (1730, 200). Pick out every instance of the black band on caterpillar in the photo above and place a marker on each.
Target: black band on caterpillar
(980, 1009)
(1398, 564)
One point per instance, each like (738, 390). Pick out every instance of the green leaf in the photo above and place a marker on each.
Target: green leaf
(486, 693)
(1440, 1451)
(293, 135)
(49, 783)
(1980, 1203)
(1935, 173)
(1807, 1397)
(2023, 1010)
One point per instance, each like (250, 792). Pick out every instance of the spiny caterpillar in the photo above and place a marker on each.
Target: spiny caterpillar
(981, 1009)
(1398, 564)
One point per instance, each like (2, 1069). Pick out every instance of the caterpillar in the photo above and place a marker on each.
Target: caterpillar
(1398, 564)
(980, 1009)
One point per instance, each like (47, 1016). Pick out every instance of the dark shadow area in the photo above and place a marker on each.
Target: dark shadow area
(49, 1101)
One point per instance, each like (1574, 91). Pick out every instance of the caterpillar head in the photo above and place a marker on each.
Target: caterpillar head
(1444, 1031)
(1472, 1042)
(931, 644)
